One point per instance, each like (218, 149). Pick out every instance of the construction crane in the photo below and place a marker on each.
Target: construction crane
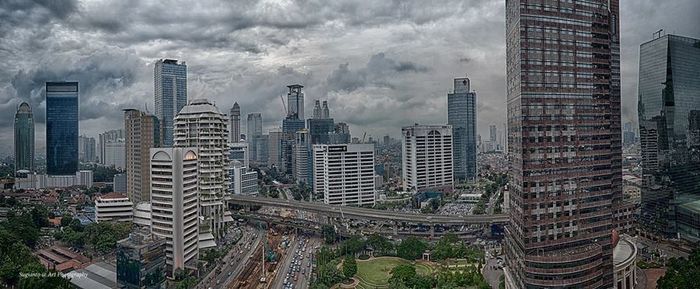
(284, 105)
(363, 137)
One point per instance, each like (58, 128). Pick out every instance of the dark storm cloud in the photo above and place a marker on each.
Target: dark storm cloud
(97, 75)
(381, 64)
(378, 70)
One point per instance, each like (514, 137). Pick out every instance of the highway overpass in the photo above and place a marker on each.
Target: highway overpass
(357, 213)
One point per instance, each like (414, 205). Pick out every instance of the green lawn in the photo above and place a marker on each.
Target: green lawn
(376, 272)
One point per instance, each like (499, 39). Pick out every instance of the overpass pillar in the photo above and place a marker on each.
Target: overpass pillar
(396, 227)
(432, 230)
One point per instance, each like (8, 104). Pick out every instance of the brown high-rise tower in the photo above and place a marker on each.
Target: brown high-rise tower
(142, 133)
(563, 84)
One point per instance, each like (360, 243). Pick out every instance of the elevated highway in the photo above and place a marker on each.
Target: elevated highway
(358, 213)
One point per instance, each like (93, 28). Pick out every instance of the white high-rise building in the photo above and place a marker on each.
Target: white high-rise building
(175, 204)
(427, 158)
(243, 180)
(113, 207)
(344, 173)
(201, 125)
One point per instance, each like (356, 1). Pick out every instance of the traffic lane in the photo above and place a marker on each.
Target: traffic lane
(285, 265)
(238, 263)
(305, 279)
(212, 276)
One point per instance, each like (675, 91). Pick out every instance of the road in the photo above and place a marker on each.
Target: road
(299, 253)
(371, 214)
(234, 267)
(305, 278)
(233, 260)
(492, 271)
(285, 262)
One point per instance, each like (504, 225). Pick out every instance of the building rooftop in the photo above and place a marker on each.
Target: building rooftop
(96, 276)
(197, 106)
(112, 195)
(624, 252)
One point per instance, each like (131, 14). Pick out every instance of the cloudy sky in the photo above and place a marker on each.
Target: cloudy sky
(380, 64)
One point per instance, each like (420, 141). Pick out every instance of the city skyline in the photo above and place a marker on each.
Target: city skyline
(393, 68)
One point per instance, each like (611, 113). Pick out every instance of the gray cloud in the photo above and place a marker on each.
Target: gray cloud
(380, 64)
(378, 70)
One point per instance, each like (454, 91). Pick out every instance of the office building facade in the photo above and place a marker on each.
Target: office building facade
(235, 125)
(175, 205)
(302, 158)
(141, 261)
(254, 131)
(201, 125)
(142, 133)
(113, 207)
(564, 137)
(295, 101)
(461, 115)
(669, 97)
(24, 138)
(62, 118)
(86, 149)
(170, 87)
(344, 174)
(427, 158)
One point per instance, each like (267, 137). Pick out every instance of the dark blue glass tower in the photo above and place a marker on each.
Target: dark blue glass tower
(461, 115)
(61, 128)
(170, 80)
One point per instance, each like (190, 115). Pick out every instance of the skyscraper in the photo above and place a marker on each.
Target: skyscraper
(344, 174)
(274, 147)
(669, 92)
(295, 101)
(461, 115)
(253, 133)
(62, 117)
(201, 125)
(302, 157)
(105, 141)
(142, 133)
(317, 109)
(325, 112)
(174, 205)
(24, 138)
(427, 158)
(243, 180)
(565, 176)
(86, 149)
(170, 81)
(235, 126)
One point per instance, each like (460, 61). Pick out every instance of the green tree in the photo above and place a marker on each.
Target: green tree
(681, 272)
(66, 220)
(404, 273)
(411, 249)
(380, 244)
(349, 266)
(352, 245)
(329, 234)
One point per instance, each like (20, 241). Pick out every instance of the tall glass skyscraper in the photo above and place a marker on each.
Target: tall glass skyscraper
(24, 138)
(62, 117)
(669, 97)
(170, 80)
(564, 137)
(461, 115)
